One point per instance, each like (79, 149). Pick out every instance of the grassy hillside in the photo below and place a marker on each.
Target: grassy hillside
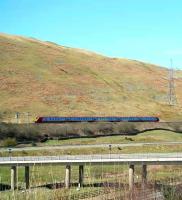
(44, 78)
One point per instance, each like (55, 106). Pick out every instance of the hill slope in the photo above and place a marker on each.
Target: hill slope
(44, 78)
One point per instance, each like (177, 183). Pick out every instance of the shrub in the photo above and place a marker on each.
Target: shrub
(9, 142)
(34, 144)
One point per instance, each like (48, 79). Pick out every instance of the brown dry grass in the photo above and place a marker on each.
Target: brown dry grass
(47, 79)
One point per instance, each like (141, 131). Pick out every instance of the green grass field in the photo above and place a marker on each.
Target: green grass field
(93, 175)
(149, 136)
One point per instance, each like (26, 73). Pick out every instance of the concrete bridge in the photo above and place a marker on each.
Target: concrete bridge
(68, 160)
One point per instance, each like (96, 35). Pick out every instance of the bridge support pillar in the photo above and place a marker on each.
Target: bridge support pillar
(27, 177)
(81, 175)
(144, 175)
(68, 176)
(131, 177)
(13, 177)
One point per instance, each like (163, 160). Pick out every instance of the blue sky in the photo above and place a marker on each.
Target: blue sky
(147, 30)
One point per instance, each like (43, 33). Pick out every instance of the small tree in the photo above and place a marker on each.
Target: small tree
(9, 142)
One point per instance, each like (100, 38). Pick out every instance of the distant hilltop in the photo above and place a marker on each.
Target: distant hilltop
(46, 79)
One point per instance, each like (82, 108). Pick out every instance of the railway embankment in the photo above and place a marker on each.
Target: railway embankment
(42, 132)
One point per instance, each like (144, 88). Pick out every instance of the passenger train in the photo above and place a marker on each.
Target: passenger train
(50, 119)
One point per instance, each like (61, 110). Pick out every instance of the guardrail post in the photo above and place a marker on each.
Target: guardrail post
(68, 176)
(131, 177)
(13, 177)
(81, 175)
(27, 177)
(144, 175)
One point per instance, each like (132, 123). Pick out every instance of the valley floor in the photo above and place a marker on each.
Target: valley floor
(98, 180)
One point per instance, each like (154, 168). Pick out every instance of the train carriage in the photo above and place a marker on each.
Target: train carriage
(50, 119)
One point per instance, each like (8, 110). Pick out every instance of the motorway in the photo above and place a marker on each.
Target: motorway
(78, 146)
(149, 158)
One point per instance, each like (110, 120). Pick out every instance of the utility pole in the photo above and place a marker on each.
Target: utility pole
(172, 100)
(17, 115)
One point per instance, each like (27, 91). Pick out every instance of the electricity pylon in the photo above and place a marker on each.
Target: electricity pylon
(172, 99)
